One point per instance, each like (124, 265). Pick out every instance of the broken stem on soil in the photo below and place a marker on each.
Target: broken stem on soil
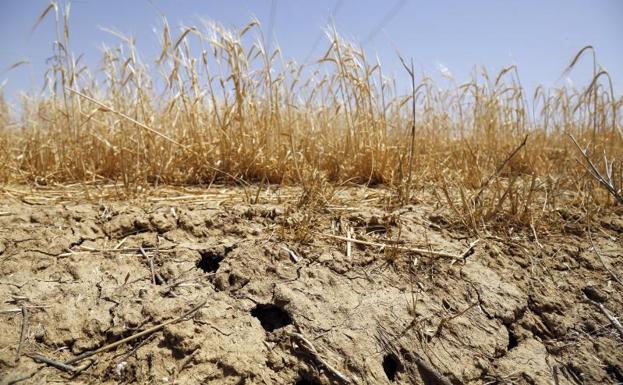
(403, 248)
(66, 367)
(24, 331)
(150, 260)
(135, 336)
(613, 320)
(311, 350)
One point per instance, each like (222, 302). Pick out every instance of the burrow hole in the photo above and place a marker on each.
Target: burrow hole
(271, 316)
(306, 381)
(391, 366)
(614, 373)
(512, 340)
(210, 261)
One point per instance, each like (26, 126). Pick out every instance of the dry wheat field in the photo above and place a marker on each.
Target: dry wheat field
(220, 214)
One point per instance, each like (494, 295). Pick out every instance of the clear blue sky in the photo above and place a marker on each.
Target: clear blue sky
(540, 37)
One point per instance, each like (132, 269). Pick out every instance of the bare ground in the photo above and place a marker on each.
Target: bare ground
(285, 303)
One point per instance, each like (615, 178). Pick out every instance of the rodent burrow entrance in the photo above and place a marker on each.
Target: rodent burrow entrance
(304, 380)
(391, 366)
(210, 261)
(271, 316)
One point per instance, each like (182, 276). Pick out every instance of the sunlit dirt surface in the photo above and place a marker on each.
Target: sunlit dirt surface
(335, 293)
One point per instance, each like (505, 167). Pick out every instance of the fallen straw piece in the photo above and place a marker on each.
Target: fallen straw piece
(129, 354)
(57, 364)
(23, 333)
(292, 254)
(613, 320)
(469, 249)
(85, 249)
(150, 260)
(127, 249)
(8, 311)
(135, 336)
(349, 244)
(396, 247)
(311, 350)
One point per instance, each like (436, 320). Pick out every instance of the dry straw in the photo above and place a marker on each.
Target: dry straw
(217, 105)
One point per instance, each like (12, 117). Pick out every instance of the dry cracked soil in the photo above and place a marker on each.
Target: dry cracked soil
(207, 289)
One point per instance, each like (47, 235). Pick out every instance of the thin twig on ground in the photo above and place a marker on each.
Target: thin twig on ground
(129, 354)
(159, 278)
(66, 367)
(128, 249)
(150, 260)
(601, 258)
(445, 320)
(295, 258)
(469, 249)
(613, 320)
(19, 309)
(393, 247)
(186, 360)
(311, 350)
(349, 244)
(25, 377)
(23, 333)
(135, 336)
